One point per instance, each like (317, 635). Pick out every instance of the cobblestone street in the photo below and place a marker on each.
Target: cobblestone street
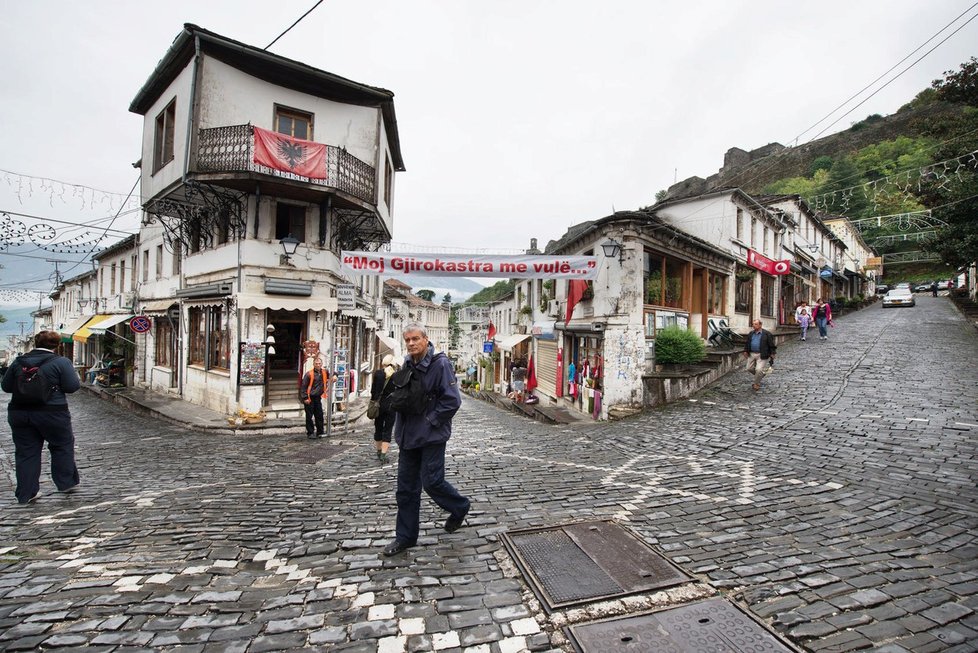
(838, 505)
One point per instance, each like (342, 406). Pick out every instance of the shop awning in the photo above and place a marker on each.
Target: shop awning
(286, 302)
(73, 326)
(387, 342)
(506, 343)
(158, 306)
(109, 322)
(82, 334)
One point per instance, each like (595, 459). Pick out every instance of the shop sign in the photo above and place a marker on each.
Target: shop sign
(346, 299)
(487, 347)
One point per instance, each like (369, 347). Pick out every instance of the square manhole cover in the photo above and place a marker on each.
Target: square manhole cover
(711, 626)
(588, 561)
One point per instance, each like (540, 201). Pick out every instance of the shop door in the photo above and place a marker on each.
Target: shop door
(290, 328)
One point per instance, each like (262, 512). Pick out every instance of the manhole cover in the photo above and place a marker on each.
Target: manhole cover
(588, 561)
(311, 453)
(711, 626)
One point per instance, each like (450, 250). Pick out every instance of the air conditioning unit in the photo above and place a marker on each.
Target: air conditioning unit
(553, 307)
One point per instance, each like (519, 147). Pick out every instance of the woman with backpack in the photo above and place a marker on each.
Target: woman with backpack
(38, 412)
(383, 419)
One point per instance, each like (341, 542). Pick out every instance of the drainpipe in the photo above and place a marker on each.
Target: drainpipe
(193, 103)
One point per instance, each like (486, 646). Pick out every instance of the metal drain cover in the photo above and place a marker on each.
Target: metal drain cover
(588, 561)
(712, 626)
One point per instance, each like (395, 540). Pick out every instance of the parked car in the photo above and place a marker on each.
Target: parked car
(923, 286)
(882, 289)
(943, 285)
(899, 297)
(903, 286)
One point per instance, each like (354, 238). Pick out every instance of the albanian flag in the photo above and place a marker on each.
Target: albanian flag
(294, 155)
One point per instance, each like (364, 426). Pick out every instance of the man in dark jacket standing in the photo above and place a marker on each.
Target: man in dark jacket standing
(421, 439)
(33, 421)
(314, 384)
(759, 350)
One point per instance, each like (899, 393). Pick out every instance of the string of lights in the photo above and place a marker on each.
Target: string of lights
(66, 193)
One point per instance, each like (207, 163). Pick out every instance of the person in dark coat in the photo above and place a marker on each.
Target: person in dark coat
(421, 439)
(759, 349)
(32, 424)
(315, 383)
(384, 422)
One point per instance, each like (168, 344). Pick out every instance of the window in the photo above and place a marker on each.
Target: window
(210, 340)
(132, 278)
(297, 124)
(159, 261)
(101, 282)
(112, 280)
(664, 280)
(740, 224)
(177, 259)
(767, 295)
(765, 250)
(290, 220)
(164, 343)
(388, 178)
(744, 290)
(715, 300)
(163, 145)
(122, 275)
(753, 233)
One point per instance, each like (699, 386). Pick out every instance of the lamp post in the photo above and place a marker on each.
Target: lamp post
(289, 245)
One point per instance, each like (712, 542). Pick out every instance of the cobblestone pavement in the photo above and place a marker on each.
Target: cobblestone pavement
(837, 505)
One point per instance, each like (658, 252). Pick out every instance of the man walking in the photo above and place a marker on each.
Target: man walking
(421, 435)
(759, 350)
(38, 412)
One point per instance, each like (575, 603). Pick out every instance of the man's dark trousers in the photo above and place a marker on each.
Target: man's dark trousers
(417, 469)
(314, 409)
(30, 428)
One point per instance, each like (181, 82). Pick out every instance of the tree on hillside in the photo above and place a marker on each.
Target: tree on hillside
(427, 295)
(492, 293)
(960, 86)
(447, 299)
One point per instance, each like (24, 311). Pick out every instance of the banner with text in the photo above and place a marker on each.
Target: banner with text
(522, 266)
(766, 265)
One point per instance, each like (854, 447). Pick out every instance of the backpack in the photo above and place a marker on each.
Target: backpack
(32, 387)
(405, 393)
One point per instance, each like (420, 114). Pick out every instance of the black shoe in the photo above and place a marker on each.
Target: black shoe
(30, 501)
(70, 490)
(452, 524)
(395, 547)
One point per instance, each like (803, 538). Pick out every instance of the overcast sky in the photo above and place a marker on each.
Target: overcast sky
(517, 118)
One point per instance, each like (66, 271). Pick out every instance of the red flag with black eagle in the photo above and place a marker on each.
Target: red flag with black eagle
(575, 290)
(282, 152)
(492, 331)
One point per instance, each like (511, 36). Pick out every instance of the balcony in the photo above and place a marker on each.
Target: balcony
(230, 149)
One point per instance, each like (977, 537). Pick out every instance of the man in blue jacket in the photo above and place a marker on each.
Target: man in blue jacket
(32, 422)
(421, 439)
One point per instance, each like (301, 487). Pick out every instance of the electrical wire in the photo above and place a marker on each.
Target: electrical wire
(292, 25)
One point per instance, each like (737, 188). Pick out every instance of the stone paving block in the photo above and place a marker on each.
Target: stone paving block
(946, 613)
(281, 642)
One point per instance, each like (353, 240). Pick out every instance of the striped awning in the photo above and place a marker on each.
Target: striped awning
(82, 334)
(109, 322)
(70, 329)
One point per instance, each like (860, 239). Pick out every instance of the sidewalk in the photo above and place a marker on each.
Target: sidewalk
(179, 412)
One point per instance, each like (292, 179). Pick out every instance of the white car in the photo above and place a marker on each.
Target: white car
(899, 297)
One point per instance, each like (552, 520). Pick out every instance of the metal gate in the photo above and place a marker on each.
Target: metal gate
(546, 367)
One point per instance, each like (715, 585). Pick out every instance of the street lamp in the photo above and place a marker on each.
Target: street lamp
(613, 248)
(289, 244)
(82, 303)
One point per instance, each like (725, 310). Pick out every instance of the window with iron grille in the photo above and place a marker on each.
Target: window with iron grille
(744, 289)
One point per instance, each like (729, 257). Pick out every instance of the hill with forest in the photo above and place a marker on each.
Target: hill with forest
(909, 180)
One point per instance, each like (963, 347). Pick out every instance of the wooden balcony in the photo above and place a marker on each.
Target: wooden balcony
(229, 150)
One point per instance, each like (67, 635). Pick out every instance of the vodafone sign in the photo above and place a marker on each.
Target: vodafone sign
(769, 266)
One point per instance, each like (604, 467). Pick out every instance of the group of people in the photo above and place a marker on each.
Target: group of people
(760, 348)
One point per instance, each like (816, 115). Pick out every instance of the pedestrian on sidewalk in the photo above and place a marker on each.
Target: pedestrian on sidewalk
(804, 321)
(759, 351)
(384, 419)
(422, 434)
(315, 383)
(822, 313)
(38, 412)
(933, 288)
(802, 306)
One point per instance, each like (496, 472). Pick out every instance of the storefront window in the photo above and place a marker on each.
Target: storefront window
(744, 290)
(197, 328)
(164, 343)
(664, 280)
(767, 295)
(210, 339)
(715, 303)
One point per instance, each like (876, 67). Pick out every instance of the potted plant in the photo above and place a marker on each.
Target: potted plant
(678, 347)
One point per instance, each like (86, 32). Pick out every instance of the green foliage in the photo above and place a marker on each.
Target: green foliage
(492, 293)
(869, 120)
(2, 319)
(447, 299)
(888, 157)
(661, 195)
(804, 186)
(427, 295)
(674, 345)
(961, 85)
(823, 162)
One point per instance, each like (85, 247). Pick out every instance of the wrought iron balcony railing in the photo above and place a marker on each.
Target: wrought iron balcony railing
(231, 149)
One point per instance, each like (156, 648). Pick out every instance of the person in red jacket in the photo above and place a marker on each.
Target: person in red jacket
(822, 314)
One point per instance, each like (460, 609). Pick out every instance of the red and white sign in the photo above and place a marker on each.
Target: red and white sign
(140, 324)
(766, 265)
(528, 266)
(303, 158)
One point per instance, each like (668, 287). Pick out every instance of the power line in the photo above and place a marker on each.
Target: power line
(292, 25)
(90, 223)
